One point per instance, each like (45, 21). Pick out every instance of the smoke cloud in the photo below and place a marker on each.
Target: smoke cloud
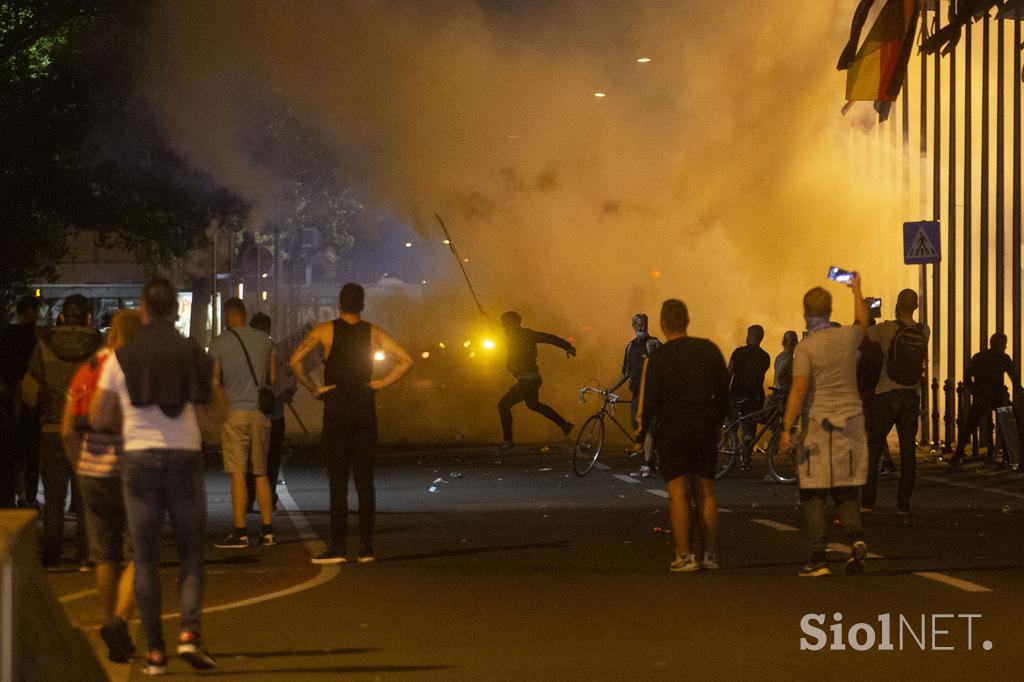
(720, 172)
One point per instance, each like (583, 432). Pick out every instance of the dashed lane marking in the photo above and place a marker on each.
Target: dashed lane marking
(776, 525)
(75, 596)
(965, 585)
(972, 486)
(626, 478)
(658, 491)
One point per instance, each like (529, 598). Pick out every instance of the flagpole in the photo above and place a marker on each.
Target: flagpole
(1016, 198)
(937, 216)
(951, 254)
(984, 217)
(923, 276)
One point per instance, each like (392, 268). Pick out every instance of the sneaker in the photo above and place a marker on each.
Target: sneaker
(156, 663)
(887, 469)
(855, 564)
(233, 542)
(118, 640)
(567, 428)
(506, 445)
(710, 561)
(643, 472)
(268, 540)
(683, 564)
(192, 652)
(330, 556)
(815, 569)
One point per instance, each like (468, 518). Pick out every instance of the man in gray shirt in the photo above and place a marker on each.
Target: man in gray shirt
(896, 401)
(243, 362)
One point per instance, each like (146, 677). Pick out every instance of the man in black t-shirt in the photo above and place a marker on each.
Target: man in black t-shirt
(684, 394)
(747, 368)
(985, 381)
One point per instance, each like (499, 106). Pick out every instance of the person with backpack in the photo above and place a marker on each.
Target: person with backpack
(98, 458)
(897, 401)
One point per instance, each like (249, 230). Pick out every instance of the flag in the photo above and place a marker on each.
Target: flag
(1012, 9)
(877, 71)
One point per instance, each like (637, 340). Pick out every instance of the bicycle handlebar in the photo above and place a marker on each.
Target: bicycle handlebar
(607, 396)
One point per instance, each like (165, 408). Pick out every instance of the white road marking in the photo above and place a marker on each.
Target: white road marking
(723, 510)
(626, 478)
(74, 596)
(776, 525)
(601, 465)
(845, 549)
(965, 585)
(972, 486)
(658, 491)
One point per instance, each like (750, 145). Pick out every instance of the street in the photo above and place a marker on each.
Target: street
(519, 569)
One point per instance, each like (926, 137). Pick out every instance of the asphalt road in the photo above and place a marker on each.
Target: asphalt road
(517, 569)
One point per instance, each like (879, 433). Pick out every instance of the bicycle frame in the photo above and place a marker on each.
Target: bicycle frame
(609, 400)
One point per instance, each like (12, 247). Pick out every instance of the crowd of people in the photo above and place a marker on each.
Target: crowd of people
(115, 422)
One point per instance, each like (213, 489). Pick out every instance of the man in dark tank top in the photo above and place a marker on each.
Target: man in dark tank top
(349, 436)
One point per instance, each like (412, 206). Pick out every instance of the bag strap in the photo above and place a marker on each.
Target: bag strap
(248, 361)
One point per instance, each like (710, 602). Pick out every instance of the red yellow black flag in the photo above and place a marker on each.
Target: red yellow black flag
(875, 72)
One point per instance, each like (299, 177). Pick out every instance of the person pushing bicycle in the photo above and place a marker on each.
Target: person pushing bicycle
(637, 351)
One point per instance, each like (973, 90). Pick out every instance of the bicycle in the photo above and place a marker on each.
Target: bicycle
(590, 440)
(732, 450)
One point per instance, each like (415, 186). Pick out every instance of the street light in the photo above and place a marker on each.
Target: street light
(599, 94)
(488, 344)
(644, 60)
(379, 356)
(408, 245)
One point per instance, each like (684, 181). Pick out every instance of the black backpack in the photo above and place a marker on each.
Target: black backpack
(907, 354)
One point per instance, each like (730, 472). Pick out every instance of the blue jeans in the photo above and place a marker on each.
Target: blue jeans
(158, 481)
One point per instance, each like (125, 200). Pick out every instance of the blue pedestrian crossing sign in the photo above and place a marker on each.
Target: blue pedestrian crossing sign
(921, 244)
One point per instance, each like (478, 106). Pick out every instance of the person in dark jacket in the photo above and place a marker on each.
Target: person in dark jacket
(747, 367)
(54, 362)
(684, 396)
(521, 344)
(638, 350)
(986, 374)
(19, 425)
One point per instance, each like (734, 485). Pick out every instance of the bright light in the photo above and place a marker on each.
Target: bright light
(408, 245)
(423, 282)
(600, 94)
(472, 354)
(644, 60)
(446, 242)
(441, 345)
(265, 275)
(379, 356)
(241, 290)
(655, 274)
(39, 293)
(425, 354)
(264, 295)
(488, 344)
(467, 344)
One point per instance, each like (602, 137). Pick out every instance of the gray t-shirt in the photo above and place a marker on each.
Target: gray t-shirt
(237, 380)
(883, 334)
(828, 358)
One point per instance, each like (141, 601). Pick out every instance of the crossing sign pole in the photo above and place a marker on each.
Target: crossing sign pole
(921, 245)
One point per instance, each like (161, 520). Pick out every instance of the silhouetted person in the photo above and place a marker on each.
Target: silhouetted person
(747, 368)
(896, 401)
(637, 352)
(521, 344)
(985, 380)
(19, 423)
(349, 439)
(784, 362)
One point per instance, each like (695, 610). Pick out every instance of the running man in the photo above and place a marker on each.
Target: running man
(521, 363)
(349, 436)
(637, 352)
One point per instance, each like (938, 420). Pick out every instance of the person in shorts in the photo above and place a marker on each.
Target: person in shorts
(685, 391)
(243, 360)
(98, 458)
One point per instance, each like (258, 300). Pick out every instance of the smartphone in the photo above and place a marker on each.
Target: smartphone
(874, 307)
(837, 274)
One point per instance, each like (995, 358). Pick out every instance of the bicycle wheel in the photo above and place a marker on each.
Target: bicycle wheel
(588, 445)
(728, 452)
(781, 465)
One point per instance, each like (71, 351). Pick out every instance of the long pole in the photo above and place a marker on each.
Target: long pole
(923, 283)
(937, 216)
(968, 203)
(951, 255)
(1001, 177)
(1016, 199)
(984, 216)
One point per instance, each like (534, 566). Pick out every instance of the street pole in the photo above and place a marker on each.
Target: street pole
(1016, 200)
(968, 203)
(984, 215)
(1001, 177)
(923, 277)
(951, 237)
(937, 216)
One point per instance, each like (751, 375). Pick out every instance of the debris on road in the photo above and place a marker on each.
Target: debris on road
(455, 474)
(432, 489)
(544, 469)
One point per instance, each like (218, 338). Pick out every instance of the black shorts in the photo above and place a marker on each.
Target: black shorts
(105, 520)
(687, 452)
